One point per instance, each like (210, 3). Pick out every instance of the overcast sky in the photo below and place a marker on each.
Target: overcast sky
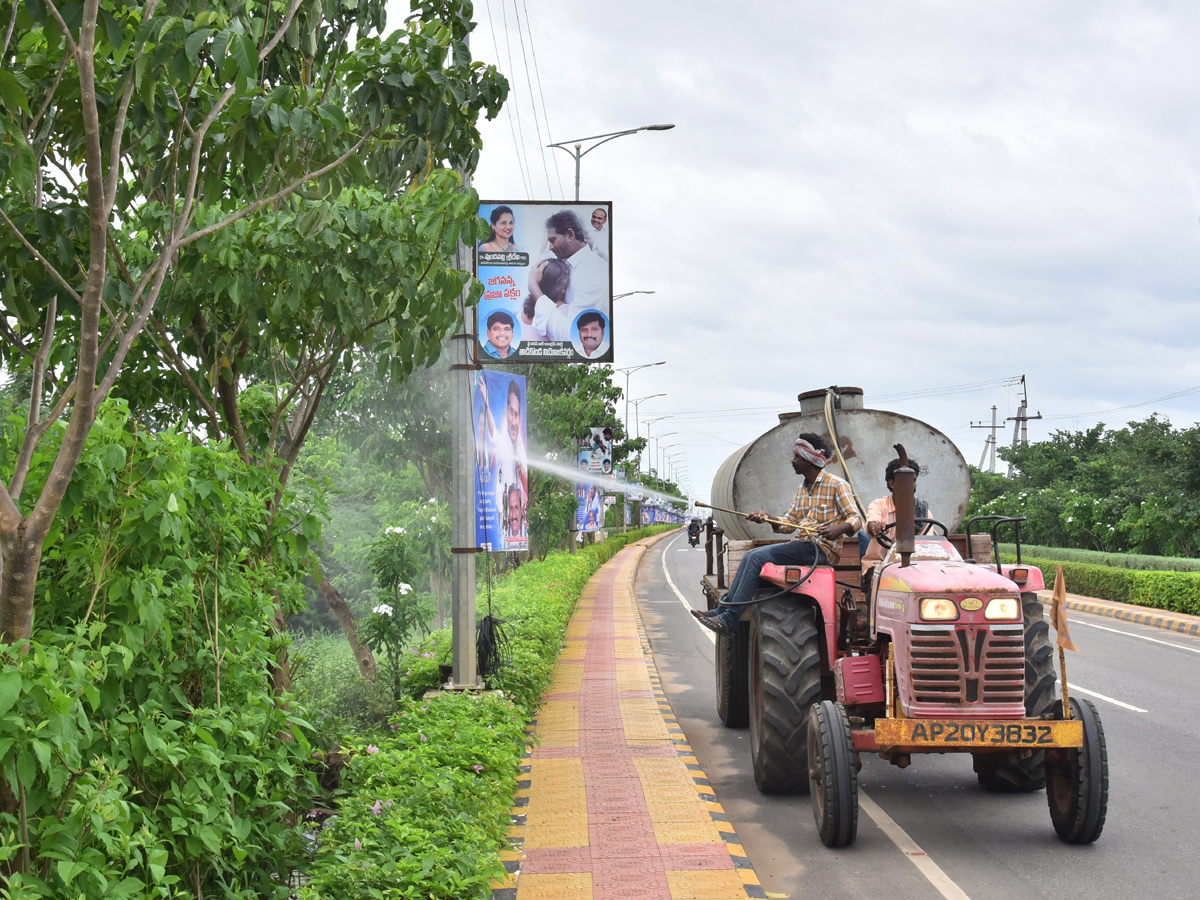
(898, 196)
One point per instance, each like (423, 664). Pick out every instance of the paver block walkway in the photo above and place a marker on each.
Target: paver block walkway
(614, 805)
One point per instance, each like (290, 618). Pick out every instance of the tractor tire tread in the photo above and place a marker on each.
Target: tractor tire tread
(789, 667)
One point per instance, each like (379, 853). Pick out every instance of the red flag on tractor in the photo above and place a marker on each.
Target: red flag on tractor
(1058, 612)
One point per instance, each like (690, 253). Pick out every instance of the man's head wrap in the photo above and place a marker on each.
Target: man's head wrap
(810, 453)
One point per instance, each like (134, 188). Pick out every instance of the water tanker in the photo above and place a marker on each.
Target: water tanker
(759, 475)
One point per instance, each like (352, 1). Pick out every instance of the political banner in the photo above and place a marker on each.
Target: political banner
(635, 491)
(589, 509)
(501, 462)
(546, 269)
(595, 451)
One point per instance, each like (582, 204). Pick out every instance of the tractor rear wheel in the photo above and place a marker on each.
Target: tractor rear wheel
(785, 680)
(1077, 781)
(1040, 696)
(733, 696)
(832, 776)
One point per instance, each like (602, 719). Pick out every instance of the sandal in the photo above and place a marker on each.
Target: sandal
(711, 623)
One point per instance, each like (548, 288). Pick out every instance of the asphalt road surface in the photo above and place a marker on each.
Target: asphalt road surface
(930, 831)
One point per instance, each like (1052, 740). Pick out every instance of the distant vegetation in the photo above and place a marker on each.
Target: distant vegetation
(1132, 490)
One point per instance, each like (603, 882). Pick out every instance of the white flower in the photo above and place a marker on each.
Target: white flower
(433, 500)
(433, 518)
(394, 529)
(1070, 519)
(404, 590)
(383, 609)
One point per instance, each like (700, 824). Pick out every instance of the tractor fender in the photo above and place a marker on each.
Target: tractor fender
(820, 589)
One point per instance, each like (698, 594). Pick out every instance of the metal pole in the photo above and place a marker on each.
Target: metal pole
(578, 156)
(462, 562)
(992, 461)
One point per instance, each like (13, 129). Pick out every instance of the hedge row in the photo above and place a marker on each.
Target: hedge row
(1098, 558)
(1174, 591)
(426, 798)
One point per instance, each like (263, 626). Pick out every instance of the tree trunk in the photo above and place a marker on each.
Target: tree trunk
(337, 605)
(18, 583)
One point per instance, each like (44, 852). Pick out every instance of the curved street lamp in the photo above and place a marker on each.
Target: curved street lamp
(599, 139)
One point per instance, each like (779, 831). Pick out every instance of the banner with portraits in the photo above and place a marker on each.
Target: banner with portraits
(501, 461)
(546, 269)
(595, 452)
(589, 507)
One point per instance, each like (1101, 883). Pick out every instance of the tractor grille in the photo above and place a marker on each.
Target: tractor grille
(964, 664)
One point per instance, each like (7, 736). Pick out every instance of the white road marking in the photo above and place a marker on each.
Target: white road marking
(918, 857)
(1078, 621)
(711, 635)
(1120, 703)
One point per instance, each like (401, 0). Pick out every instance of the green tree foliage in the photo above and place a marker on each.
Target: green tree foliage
(139, 739)
(1134, 489)
(241, 182)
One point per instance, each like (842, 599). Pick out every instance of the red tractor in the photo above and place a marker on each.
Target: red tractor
(941, 654)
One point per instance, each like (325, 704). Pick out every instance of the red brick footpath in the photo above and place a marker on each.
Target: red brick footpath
(614, 805)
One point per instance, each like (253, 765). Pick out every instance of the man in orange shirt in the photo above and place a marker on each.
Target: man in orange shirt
(882, 512)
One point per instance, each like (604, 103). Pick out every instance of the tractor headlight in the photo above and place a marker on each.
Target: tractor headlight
(938, 608)
(1002, 608)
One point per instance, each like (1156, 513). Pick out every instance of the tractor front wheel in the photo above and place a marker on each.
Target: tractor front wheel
(832, 776)
(785, 680)
(1077, 781)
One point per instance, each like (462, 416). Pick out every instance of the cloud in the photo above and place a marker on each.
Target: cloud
(894, 196)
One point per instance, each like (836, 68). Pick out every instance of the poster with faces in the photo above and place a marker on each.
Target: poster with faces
(546, 270)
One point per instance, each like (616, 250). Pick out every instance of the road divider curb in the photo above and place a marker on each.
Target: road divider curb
(1180, 623)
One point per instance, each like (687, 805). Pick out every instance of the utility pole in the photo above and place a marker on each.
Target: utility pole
(1021, 422)
(990, 443)
(463, 549)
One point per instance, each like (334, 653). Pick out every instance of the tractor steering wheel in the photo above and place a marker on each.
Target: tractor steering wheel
(886, 542)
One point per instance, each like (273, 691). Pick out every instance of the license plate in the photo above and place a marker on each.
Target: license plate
(969, 733)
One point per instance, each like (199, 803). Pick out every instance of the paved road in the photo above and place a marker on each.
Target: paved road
(983, 846)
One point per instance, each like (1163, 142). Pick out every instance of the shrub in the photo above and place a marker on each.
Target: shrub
(140, 740)
(1174, 591)
(442, 834)
(1096, 557)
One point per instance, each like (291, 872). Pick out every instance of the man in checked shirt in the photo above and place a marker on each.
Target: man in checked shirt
(823, 511)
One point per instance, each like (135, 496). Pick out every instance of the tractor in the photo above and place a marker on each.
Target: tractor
(943, 651)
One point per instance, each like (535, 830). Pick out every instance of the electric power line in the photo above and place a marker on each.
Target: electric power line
(1100, 412)
(532, 102)
(537, 73)
(525, 181)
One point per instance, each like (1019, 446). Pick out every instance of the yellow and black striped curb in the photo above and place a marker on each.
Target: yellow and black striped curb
(1156, 620)
(741, 862)
(1112, 609)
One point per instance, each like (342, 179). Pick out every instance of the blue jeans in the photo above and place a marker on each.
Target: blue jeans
(745, 581)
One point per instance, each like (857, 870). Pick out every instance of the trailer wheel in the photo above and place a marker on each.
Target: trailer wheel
(733, 696)
(1040, 696)
(785, 680)
(832, 776)
(1077, 781)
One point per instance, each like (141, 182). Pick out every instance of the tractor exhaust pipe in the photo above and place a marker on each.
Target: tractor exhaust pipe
(904, 496)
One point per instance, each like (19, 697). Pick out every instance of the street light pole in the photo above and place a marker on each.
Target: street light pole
(649, 438)
(629, 370)
(578, 152)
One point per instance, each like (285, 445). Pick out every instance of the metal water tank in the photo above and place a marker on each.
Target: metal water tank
(760, 476)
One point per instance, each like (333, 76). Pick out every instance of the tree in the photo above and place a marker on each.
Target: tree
(199, 169)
